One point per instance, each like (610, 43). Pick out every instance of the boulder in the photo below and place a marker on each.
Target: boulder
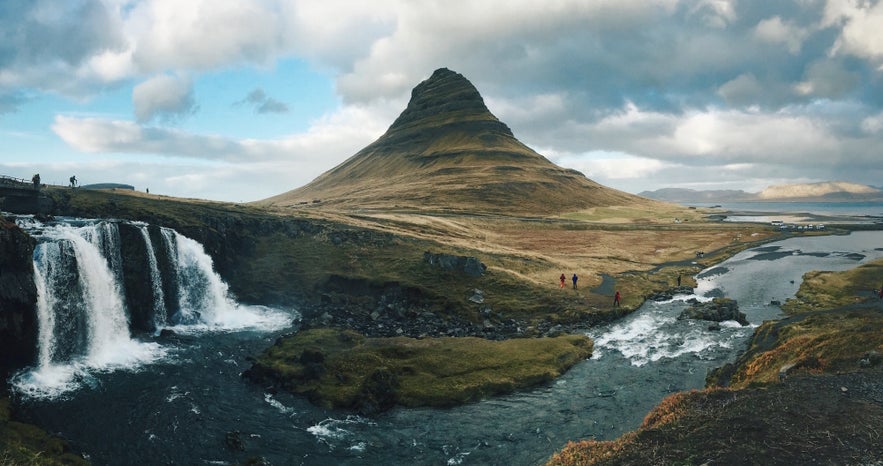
(716, 310)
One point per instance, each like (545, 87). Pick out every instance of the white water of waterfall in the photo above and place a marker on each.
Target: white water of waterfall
(159, 298)
(83, 320)
(203, 298)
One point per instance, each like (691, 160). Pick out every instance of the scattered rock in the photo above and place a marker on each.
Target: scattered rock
(477, 296)
(717, 310)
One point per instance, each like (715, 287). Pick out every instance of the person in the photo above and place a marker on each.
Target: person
(73, 180)
(616, 298)
(563, 279)
(679, 279)
(36, 180)
(575, 278)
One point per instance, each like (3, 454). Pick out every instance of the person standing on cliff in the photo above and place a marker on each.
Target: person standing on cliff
(616, 299)
(563, 279)
(575, 278)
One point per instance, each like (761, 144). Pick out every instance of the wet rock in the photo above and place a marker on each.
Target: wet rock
(716, 310)
(18, 299)
(378, 393)
(233, 440)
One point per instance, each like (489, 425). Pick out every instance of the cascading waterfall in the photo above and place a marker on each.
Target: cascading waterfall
(83, 318)
(202, 295)
(159, 299)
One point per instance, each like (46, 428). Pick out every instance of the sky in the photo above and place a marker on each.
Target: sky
(238, 101)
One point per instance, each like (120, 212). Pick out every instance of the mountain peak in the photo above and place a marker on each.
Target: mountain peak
(447, 152)
(444, 97)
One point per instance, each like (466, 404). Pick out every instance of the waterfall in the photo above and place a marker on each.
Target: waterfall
(83, 317)
(159, 306)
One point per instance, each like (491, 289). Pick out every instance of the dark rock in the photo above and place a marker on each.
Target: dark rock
(469, 265)
(18, 299)
(233, 440)
(871, 359)
(378, 393)
(717, 310)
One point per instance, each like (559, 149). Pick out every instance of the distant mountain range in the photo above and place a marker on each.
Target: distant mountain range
(829, 191)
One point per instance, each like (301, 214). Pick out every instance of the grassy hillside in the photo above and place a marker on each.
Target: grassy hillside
(446, 152)
(808, 391)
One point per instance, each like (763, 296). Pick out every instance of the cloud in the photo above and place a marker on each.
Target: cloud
(262, 103)
(211, 160)
(776, 31)
(10, 102)
(44, 43)
(861, 24)
(163, 97)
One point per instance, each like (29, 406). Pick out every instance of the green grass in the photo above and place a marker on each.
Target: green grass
(25, 444)
(336, 368)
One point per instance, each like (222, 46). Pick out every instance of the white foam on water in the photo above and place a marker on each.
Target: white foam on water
(652, 335)
(239, 318)
(54, 380)
(272, 401)
(334, 432)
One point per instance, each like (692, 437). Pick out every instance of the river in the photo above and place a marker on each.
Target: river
(188, 405)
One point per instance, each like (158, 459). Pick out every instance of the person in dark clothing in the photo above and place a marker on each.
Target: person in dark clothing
(616, 299)
(575, 278)
(679, 279)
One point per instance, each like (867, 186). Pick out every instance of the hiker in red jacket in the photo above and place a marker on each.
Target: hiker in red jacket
(616, 299)
(563, 279)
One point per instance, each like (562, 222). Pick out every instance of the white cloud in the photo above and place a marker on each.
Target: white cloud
(776, 31)
(862, 28)
(163, 97)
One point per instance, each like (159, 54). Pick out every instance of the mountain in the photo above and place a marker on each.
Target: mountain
(691, 195)
(829, 191)
(447, 152)
(817, 190)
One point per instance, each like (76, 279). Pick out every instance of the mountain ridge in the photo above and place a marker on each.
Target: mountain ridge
(826, 191)
(446, 151)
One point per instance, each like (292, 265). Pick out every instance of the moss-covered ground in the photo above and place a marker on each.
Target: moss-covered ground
(27, 445)
(343, 369)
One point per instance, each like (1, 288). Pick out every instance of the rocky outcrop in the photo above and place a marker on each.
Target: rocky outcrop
(466, 264)
(18, 299)
(668, 295)
(716, 310)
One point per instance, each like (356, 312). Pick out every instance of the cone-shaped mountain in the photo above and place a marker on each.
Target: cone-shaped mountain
(446, 151)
